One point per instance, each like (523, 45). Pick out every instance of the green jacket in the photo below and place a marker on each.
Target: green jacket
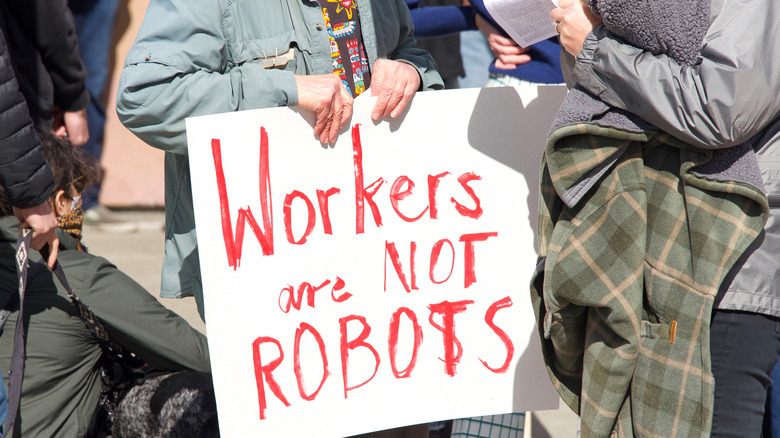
(199, 57)
(62, 371)
(627, 277)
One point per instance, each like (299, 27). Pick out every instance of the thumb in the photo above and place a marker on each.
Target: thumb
(54, 248)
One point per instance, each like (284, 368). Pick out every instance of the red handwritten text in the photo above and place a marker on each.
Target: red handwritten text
(402, 188)
(446, 312)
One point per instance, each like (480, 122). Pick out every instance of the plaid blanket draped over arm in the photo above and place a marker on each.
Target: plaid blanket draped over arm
(624, 289)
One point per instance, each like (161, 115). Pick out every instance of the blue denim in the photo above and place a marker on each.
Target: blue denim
(745, 347)
(477, 57)
(3, 403)
(772, 415)
(94, 21)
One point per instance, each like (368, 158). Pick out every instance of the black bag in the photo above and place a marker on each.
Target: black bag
(118, 374)
(172, 405)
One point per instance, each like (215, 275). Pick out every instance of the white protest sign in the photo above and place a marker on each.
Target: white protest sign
(378, 282)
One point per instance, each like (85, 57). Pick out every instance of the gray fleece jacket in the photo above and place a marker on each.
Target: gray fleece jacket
(727, 98)
(670, 27)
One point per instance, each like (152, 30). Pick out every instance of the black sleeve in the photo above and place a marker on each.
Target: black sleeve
(24, 173)
(49, 26)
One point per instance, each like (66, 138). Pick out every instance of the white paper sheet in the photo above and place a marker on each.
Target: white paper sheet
(526, 21)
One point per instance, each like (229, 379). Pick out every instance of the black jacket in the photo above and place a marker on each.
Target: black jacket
(41, 39)
(24, 174)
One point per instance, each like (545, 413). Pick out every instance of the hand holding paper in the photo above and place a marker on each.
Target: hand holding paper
(576, 21)
(507, 52)
(526, 21)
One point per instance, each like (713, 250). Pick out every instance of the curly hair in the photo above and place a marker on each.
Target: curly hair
(69, 164)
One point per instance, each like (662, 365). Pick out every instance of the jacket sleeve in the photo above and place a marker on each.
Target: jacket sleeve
(49, 26)
(728, 96)
(407, 51)
(138, 322)
(434, 21)
(23, 170)
(177, 68)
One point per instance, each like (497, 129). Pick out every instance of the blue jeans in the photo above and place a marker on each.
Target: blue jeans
(745, 348)
(772, 415)
(477, 58)
(94, 21)
(3, 403)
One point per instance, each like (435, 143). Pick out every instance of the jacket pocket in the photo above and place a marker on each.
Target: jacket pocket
(566, 330)
(278, 52)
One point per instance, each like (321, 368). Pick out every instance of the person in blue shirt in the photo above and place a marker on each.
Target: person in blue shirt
(513, 65)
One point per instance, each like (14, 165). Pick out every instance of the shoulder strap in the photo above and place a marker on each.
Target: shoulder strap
(113, 354)
(17, 359)
(87, 316)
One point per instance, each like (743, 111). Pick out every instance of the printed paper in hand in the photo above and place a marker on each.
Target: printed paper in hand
(526, 21)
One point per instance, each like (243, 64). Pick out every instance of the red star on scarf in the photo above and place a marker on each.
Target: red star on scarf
(344, 5)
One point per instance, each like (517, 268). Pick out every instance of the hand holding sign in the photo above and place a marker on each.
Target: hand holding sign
(327, 97)
(394, 83)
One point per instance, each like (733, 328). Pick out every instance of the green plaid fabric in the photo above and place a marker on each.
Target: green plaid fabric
(490, 426)
(624, 290)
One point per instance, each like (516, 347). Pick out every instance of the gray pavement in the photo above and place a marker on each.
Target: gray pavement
(139, 254)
